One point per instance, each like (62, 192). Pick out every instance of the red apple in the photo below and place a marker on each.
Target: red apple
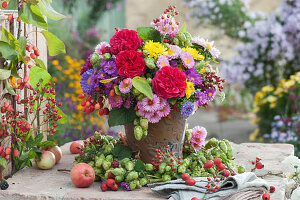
(75, 148)
(47, 160)
(56, 150)
(82, 175)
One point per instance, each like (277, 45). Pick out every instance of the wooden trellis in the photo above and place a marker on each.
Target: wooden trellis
(34, 37)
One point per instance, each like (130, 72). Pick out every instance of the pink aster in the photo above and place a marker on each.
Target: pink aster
(187, 59)
(154, 118)
(116, 101)
(214, 52)
(100, 46)
(197, 145)
(199, 134)
(150, 105)
(145, 113)
(165, 108)
(128, 102)
(162, 61)
(173, 52)
(166, 25)
(125, 86)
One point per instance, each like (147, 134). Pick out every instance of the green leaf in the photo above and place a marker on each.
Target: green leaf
(149, 33)
(55, 45)
(31, 154)
(39, 75)
(139, 166)
(121, 116)
(46, 144)
(38, 139)
(8, 51)
(30, 14)
(12, 5)
(3, 162)
(143, 86)
(63, 118)
(121, 152)
(48, 11)
(9, 87)
(7, 37)
(4, 74)
(23, 42)
(29, 163)
(40, 64)
(183, 28)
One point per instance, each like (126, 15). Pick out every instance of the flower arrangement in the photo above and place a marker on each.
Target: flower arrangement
(270, 101)
(142, 75)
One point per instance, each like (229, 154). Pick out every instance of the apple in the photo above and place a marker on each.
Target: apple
(47, 160)
(82, 175)
(56, 150)
(75, 148)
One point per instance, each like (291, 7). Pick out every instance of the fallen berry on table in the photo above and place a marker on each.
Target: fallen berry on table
(191, 182)
(185, 176)
(104, 186)
(194, 198)
(209, 164)
(110, 182)
(266, 196)
(259, 165)
(226, 173)
(115, 187)
(272, 189)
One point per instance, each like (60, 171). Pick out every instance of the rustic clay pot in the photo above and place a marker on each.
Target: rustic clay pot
(167, 131)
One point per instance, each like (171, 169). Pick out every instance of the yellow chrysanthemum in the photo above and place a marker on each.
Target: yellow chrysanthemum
(189, 89)
(267, 88)
(255, 120)
(55, 62)
(289, 83)
(195, 54)
(13, 81)
(253, 136)
(155, 49)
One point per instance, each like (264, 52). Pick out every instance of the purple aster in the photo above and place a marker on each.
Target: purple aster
(128, 102)
(187, 59)
(100, 46)
(173, 52)
(201, 98)
(86, 87)
(173, 63)
(150, 105)
(125, 87)
(87, 65)
(210, 94)
(187, 109)
(109, 67)
(125, 186)
(94, 81)
(162, 61)
(116, 101)
(193, 76)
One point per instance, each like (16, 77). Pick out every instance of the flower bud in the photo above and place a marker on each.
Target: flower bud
(106, 56)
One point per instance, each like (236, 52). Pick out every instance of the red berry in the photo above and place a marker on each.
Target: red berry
(221, 167)
(126, 82)
(105, 111)
(194, 198)
(226, 173)
(110, 182)
(209, 179)
(33, 56)
(272, 189)
(191, 182)
(4, 4)
(81, 96)
(217, 161)
(15, 152)
(266, 196)
(214, 176)
(97, 106)
(7, 150)
(209, 164)
(115, 187)
(7, 157)
(104, 187)
(37, 52)
(101, 112)
(18, 19)
(34, 48)
(185, 176)
(10, 18)
(259, 165)
(29, 66)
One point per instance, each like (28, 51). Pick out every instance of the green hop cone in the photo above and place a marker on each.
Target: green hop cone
(150, 63)
(188, 135)
(138, 132)
(124, 161)
(213, 142)
(92, 164)
(188, 37)
(132, 176)
(141, 96)
(108, 149)
(109, 158)
(145, 52)
(168, 168)
(241, 169)
(136, 122)
(144, 123)
(137, 113)
(186, 162)
(176, 41)
(119, 179)
(166, 177)
(162, 167)
(199, 66)
(106, 165)
(99, 162)
(223, 146)
(135, 92)
(118, 171)
(143, 181)
(145, 133)
(149, 80)
(223, 156)
(129, 166)
(149, 167)
(97, 135)
(98, 171)
(132, 184)
(181, 36)
(215, 151)
(203, 159)
(94, 58)
(181, 169)
(138, 184)
(106, 56)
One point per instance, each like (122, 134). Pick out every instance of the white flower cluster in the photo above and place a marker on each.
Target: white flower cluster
(290, 165)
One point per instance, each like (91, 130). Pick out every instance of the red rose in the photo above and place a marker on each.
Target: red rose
(169, 82)
(130, 64)
(124, 39)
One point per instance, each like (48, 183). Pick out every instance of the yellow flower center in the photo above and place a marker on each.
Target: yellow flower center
(187, 61)
(197, 139)
(170, 52)
(209, 94)
(163, 64)
(208, 46)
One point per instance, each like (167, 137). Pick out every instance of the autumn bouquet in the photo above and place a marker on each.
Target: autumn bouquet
(141, 75)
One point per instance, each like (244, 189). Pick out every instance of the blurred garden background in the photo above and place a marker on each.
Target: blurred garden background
(259, 42)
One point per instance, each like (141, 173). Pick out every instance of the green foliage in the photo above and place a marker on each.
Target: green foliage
(143, 86)
(8, 51)
(48, 11)
(139, 166)
(55, 45)
(120, 151)
(9, 87)
(148, 33)
(40, 64)
(63, 119)
(23, 42)
(4, 74)
(39, 75)
(46, 144)
(121, 116)
(2, 162)
(30, 14)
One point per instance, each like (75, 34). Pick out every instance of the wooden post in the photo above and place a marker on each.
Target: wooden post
(34, 37)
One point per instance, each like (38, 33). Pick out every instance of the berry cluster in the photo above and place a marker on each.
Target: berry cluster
(170, 12)
(164, 160)
(90, 105)
(34, 51)
(189, 181)
(109, 184)
(257, 164)
(210, 80)
(5, 152)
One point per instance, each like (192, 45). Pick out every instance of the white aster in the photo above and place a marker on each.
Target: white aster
(288, 166)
